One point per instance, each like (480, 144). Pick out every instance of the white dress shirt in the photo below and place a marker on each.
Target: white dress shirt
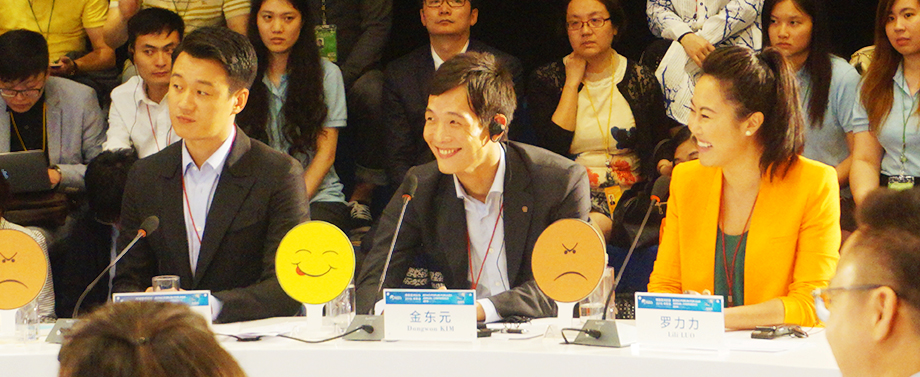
(486, 230)
(437, 59)
(199, 185)
(136, 121)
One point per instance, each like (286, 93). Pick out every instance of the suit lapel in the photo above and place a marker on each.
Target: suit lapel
(4, 128)
(451, 250)
(232, 188)
(518, 200)
(171, 210)
(54, 116)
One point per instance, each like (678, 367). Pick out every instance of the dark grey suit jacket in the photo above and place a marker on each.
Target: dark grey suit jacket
(260, 196)
(405, 97)
(540, 188)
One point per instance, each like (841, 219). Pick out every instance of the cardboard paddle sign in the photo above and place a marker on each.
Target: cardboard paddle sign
(23, 269)
(569, 259)
(315, 262)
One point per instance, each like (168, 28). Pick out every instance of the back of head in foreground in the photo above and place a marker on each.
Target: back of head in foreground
(144, 339)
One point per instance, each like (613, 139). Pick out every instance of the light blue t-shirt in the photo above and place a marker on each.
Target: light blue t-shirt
(828, 144)
(901, 119)
(330, 190)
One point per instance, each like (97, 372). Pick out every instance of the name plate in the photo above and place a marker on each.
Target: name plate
(683, 321)
(429, 314)
(199, 301)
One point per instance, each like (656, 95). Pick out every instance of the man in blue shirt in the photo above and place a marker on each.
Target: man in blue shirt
(224, 201)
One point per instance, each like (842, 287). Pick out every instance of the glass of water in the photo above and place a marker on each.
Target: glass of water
(342, 309)
(165, 283)
(592, 307)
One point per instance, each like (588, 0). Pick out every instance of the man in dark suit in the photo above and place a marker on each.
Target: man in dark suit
(224, 200)
(480, 208)
(407, 79)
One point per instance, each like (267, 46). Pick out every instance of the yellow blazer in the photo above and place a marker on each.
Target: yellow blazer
(792, 245)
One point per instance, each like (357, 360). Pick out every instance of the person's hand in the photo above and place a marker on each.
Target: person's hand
(63, 67)
(55, 177)
(665, 167)
(128, 8)
(574, 69)
(480, 313)
(696, 47)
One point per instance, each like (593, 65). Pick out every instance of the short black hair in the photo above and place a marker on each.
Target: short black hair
(23, 54)
(226, 47)
(488, 84)
(616, 12)
(154, 21)
(105, 179)
(6, 192)
(889, 228)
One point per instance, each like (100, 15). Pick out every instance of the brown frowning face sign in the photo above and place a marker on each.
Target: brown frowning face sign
(569, 260)
(23, 269)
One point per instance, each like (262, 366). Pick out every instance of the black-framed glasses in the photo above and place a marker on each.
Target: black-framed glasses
(451, 3)
(28, 93)
(594, 23)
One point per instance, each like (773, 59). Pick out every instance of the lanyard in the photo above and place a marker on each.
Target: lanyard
(47, 31)
(469, 250)
(44, 128)
(184, 11)
(597, 116)
(906, 117)
(324, 12)
(730, 273)
(189, 206)
(154, 131)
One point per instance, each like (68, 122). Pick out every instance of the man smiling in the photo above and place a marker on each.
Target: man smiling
(224, 200)
(481, 205)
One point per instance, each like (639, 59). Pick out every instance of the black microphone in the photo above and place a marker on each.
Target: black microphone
(149, 225)
(660, 189)
(411, 185)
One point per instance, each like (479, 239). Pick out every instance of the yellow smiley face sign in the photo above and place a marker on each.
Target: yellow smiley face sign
(569, 260)
(315, 262)
(23, 269)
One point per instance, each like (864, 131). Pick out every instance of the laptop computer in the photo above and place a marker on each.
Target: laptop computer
(25, 171)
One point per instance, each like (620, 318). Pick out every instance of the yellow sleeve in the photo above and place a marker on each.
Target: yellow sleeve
(666, 277)
(233, 8)
(95, 13)
(817, 249)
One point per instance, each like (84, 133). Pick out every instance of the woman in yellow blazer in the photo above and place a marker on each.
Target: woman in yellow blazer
(750, 220)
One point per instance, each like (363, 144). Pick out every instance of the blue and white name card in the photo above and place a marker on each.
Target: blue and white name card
(681, 321)
(429, 314)
(199, 301)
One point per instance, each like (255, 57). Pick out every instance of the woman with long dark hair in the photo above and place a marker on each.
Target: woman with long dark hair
(297, 102)
(887, 151)
(750, 220)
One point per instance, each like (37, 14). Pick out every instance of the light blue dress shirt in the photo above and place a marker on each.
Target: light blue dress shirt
(828, 144)
(901, 119)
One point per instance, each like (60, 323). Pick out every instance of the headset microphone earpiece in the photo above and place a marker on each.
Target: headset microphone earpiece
(495, 130)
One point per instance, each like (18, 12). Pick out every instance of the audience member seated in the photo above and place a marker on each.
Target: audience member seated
(139, 115)
(45, 299)
(297, 103)
(751, 220)
(799, 30)
(886, 149)
(361, 29)
(52, 114)
(599, 107)
(873, 303)
(217, 185)
(90, 246)
(691, 30)
(680, 148)
(152, 339)
(409, 78)
(195, 14)
(67, 26)
(457, 214)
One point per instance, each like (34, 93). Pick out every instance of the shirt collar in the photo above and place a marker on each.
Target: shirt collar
(900, 81)
(216, 161)
(498, 184)
(437, 59)
(140, 95)
(277, 90)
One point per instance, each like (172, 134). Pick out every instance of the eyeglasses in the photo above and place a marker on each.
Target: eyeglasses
(823, 299)
(594, 23)
(451, 3)
(28, 93)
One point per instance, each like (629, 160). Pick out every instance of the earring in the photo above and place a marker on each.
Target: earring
(748, 133)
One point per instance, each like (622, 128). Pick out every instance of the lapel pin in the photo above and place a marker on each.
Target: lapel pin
(524, 208)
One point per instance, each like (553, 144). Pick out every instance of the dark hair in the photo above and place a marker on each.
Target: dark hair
(23, 54)
(818, 63)
(683, 134)
(763, 82)
(877, 93)
(488, 84)
(889, 227)
(105, 181)
(304, 109)
(6, 192)
(145, 339)
(226, 47)
(154, 21)
(617, 15)
(474, 4)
